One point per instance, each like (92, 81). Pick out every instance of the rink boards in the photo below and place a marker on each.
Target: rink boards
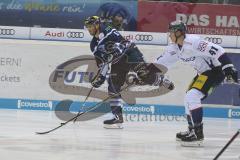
(30, 71)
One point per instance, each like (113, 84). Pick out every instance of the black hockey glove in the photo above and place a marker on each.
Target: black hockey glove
(231, 74)
(229, 71)
(98, 81)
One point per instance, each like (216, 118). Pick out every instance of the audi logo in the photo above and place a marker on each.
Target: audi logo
(75, 34)
(143, 37)
(8, 32)
(214, 40)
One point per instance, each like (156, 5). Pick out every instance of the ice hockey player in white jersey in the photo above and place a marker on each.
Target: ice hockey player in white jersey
(212, 65)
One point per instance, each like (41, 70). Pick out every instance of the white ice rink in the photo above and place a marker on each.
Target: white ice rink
(90, 141)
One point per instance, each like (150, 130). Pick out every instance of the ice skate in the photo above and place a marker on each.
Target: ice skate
(194, 138)
(114, 123)
(181, 135)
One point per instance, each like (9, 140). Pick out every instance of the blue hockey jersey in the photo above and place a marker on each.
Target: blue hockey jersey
(107, 35)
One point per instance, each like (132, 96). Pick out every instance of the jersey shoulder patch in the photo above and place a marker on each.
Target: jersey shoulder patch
(106, 29)
(202, 46)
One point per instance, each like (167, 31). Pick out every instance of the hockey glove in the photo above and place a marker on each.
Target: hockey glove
(230, 73)
(98, 81)
(107, 58)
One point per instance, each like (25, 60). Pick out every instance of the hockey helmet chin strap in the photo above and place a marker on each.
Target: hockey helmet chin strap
(96, 29)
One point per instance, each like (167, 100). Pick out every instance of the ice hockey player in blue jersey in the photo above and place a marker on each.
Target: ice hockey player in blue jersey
(110, 48)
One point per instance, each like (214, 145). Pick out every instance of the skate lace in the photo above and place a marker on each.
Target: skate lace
(185, 132)
(117, 117)
(191, 134)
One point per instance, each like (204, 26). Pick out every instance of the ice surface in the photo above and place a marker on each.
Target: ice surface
(90, 141)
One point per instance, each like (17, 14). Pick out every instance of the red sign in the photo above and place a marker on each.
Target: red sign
(200, 18)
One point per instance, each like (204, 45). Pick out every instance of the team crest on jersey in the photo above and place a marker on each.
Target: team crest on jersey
(202, 46)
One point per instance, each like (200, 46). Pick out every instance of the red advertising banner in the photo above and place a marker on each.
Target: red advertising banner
(200, 18)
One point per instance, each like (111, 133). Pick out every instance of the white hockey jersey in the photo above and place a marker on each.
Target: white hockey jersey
(200, 54)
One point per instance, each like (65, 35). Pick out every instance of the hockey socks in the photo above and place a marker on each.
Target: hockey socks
(197, 115)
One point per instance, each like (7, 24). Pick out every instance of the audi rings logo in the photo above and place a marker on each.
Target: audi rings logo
(143, 37)
(75, 34)
(214, 40)
(7, 32)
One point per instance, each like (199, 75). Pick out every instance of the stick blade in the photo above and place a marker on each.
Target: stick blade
(49, 131)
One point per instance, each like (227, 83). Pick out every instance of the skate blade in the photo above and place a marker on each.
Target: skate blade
(192, 144)
(113, 126)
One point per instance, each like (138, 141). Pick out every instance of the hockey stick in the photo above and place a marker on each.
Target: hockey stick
(225, 147)
(94, 107)
(89, 93)
(81, 113)
(84, 103)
